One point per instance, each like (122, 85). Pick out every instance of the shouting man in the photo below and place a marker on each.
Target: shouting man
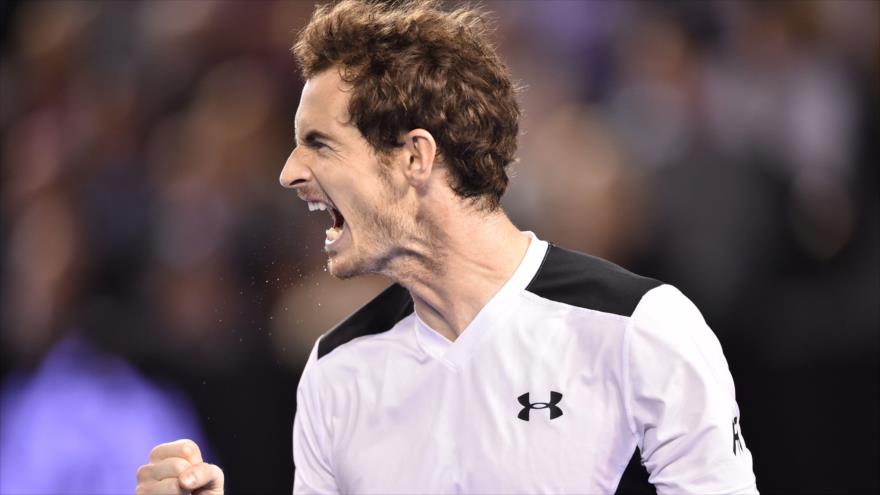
(497, 362)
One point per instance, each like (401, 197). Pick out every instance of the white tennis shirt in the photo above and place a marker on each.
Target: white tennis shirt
(574, 366)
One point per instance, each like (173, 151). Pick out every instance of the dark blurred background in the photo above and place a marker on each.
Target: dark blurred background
(158, 283)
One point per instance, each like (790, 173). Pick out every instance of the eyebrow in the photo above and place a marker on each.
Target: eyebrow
(313, 135)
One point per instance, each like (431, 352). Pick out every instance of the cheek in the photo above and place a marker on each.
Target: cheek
(395, 190)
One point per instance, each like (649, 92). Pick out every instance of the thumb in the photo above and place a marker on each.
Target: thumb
(202, 479)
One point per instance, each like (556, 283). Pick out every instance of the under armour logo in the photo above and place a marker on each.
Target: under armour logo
(736, 436)
(555, 411)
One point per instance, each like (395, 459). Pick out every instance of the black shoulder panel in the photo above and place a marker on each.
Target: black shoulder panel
(635, 478)
(588, 282)
(377, 316)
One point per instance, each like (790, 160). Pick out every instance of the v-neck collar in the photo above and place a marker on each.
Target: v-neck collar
(453, 354)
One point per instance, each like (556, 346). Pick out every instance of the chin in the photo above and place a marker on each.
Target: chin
(341, 268)
(352, 263)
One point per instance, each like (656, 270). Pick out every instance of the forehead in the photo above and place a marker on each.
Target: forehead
(324, 103)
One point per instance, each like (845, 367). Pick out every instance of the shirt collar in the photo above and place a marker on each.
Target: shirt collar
(439, 347)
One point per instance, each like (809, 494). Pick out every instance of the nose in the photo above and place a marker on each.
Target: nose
(295, 173)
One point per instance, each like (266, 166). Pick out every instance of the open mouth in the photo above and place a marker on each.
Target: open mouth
(335, 231)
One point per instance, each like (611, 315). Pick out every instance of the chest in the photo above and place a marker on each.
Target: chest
(515, 418)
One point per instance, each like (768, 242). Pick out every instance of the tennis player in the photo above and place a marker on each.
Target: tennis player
(497, 362)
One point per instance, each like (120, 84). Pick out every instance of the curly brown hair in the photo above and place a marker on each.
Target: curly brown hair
(413, 65)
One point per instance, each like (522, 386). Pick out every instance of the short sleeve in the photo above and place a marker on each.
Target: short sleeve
(311, 435)
(681, 400)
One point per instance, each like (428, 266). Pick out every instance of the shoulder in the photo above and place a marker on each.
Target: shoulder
(376, 317)
(667, 318)
(667, 306)
(666, 323)
(589, 282)
(357, 346)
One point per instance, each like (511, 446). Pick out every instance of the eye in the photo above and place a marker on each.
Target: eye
(316, 142)
(316, 145)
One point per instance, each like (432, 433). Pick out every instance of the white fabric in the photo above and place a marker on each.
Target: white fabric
(408, 411)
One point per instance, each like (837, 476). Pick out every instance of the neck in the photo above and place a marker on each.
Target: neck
(472, 257)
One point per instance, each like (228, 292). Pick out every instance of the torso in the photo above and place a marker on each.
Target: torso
(412, 412)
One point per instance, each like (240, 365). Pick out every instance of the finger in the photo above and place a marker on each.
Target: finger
(165, 487)
(206, 477)
(168, 486)
(170, 467)
(144, 473)
(185, 449)
(144, 488)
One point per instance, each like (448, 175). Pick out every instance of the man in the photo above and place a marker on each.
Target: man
(496, 363)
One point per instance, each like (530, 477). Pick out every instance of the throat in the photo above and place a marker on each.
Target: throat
(449, 299)
(436, 321)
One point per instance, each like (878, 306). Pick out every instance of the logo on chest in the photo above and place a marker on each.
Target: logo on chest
(528, 405)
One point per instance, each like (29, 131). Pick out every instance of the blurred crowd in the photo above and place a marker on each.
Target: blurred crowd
(157, 281)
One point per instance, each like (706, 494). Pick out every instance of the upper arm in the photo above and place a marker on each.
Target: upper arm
(682, 400)
(311, 436)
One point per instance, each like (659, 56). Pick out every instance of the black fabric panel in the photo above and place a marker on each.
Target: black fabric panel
(589, 282)
(635, 478)
(377, 316)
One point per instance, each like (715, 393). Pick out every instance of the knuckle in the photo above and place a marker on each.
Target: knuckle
(143, 472)
(188, 447)
(157, 452)
(154, 453)
(178, 465)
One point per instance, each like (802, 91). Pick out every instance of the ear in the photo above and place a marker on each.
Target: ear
(421, 149)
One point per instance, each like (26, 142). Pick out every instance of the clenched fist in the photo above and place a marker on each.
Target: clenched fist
(177, 468)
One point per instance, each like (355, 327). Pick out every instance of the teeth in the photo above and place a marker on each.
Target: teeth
(317, 205)
(332, 233)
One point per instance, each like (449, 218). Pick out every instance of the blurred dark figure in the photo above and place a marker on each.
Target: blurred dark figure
(141, 253)
(79, 420)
